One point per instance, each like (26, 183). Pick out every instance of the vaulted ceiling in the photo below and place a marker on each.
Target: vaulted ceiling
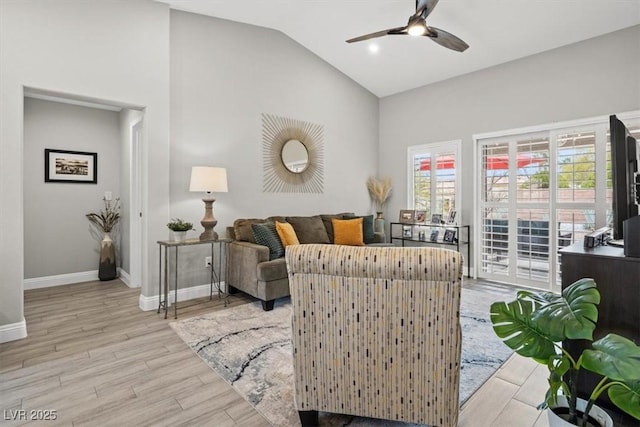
(497, 31)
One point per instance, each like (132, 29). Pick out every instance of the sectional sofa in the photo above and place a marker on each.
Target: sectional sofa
(251, 267)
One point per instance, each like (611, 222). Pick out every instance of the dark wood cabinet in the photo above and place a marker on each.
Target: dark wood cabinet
(618, 280)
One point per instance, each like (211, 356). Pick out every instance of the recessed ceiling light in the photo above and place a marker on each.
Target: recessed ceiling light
(374, 48)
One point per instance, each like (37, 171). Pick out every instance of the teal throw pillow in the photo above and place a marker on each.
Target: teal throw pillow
(367, 229)
(266, 235)
(368, 234)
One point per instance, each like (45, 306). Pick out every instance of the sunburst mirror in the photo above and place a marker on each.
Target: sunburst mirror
(293, 155)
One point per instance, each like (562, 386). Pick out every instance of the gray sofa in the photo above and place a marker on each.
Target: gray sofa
(251, 271)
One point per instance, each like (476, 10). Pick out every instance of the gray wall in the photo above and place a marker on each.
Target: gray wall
(595, 77)
(58, 238)
(115, 51)
(223, 76)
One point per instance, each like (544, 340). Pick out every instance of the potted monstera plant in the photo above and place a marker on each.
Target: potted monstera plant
(536, 323)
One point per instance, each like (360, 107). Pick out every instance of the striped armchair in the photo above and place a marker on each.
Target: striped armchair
(376, 332)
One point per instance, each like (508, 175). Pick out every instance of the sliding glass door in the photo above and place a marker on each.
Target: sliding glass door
(515, 208)
(538, 192)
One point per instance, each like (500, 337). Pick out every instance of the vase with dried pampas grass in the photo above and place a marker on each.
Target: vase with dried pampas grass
(379, 191)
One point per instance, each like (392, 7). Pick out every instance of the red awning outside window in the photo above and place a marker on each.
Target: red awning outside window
(493, 162)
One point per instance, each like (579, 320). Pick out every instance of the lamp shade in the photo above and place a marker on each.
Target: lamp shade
(209, 179)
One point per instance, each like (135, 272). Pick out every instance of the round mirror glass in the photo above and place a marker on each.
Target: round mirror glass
(295, 156)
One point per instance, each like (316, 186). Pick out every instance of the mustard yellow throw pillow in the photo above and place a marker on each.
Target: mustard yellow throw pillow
(287, 234)
(348, 232)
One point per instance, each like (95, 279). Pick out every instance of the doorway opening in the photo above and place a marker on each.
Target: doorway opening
(115, 133)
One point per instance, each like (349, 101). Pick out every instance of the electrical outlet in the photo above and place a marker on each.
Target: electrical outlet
(207, 261)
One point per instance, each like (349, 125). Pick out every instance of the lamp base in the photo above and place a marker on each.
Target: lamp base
(209, 235)
(209, 221)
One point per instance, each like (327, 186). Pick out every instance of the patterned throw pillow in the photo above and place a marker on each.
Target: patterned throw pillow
(266, 235)
(287, 234)
(347, 232)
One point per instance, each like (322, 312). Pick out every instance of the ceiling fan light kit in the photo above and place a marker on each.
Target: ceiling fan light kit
(417, 26)
(417, 29)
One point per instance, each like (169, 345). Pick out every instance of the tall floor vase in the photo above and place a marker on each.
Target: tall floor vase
(379, 224)
(107, 269)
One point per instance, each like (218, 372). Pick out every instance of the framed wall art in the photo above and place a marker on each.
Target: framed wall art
(70, 166)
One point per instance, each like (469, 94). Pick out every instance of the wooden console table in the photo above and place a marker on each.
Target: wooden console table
(617, 278)
(215, 276)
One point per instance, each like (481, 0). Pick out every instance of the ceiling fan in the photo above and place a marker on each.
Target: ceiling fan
(417, 27)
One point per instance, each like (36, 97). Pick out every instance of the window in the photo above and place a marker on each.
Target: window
(433, 178)
(560, 176)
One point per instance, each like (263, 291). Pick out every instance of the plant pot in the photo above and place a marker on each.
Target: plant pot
(179, 236)
(107, 269)
(597, 414)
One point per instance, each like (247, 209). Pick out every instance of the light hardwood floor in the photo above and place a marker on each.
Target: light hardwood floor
(97, 360)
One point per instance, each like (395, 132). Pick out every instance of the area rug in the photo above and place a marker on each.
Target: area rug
(251, 350)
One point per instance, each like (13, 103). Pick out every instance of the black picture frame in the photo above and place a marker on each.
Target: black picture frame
(407, 231)
(451, 218)
(449, 235)
(436, 218)
(74, 167)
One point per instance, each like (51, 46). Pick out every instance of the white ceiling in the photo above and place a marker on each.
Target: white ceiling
(497, 31)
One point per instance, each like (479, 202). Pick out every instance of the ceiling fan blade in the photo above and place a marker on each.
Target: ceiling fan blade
(447, 40)
(425, 7)
(391, 31)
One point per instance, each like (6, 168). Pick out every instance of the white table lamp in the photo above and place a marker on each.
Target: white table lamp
(210, 180)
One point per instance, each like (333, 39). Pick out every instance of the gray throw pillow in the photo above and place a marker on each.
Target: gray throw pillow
(309, 229)
(243, 231)
(328, 225)
(266, 235)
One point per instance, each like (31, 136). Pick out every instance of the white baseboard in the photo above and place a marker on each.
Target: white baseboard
(126, 278)
(151, 302)
(13, 331)
(60, 279)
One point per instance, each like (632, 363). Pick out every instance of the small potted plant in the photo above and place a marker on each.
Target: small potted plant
(179, 228)
(536, 323)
